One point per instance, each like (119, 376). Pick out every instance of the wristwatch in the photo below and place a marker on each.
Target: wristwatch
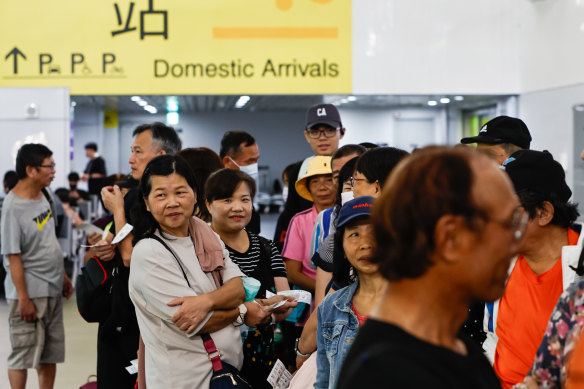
(240, 319)
(298, 352)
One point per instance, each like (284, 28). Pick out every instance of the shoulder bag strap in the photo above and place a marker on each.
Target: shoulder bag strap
(162, 242)
(212, 353)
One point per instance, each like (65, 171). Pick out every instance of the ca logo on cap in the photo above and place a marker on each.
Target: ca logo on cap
(320, 112)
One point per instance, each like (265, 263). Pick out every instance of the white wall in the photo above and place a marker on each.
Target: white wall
(552, 37)
(378, 126)
(548, 115)
(438, 46)
(50, 127)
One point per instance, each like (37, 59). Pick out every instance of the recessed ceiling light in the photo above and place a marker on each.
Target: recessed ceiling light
(445, 100)
(135, 98)
(151, 109)
(351, 98)
(242, 101)
(142, 103)
(458, 98)
(432, 103)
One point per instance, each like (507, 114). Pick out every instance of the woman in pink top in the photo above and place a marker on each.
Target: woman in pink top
(317, 186)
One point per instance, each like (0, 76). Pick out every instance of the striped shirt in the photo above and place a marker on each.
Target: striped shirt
(248, 261)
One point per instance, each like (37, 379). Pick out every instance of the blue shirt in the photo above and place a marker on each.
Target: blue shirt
(337, 329)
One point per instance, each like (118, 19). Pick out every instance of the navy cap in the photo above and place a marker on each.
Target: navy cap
(360, 206)
(538, 172)
(502, 129)
(323, 114)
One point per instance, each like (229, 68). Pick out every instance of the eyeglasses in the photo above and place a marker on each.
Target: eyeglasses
(517, 223)
(353, 180)
(50, 166)
(328, 132)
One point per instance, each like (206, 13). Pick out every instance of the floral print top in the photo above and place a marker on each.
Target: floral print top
(549, 367)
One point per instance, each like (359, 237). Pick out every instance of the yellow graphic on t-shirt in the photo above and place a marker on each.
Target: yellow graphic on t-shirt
(42, 219)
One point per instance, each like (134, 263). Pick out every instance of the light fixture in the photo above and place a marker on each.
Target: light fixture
(171, 104)
(172, 118)
(445, 100)
(432, 103)
(458, 98)
(242, 101)
(135, 98)
(142, 103)
(151, 109)
(351, 98)
(344, 101)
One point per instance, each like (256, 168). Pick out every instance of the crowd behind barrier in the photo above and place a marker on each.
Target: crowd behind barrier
(450, 267)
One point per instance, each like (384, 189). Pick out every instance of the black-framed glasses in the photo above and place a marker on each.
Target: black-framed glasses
(328, 132)
(50, 166)
(353, 180)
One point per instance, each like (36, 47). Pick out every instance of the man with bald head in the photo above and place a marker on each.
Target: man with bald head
(447, 225)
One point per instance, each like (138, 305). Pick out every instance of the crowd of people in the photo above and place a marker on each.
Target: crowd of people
(446, 267)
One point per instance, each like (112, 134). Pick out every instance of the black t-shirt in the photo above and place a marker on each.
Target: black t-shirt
(95, 165)
(385, 356)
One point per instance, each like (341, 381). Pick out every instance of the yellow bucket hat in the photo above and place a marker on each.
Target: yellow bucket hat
(316, 166)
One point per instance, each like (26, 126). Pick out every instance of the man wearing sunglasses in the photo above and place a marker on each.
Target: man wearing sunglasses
(547, 265)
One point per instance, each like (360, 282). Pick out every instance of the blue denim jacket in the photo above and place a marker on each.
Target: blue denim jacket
(337, 329)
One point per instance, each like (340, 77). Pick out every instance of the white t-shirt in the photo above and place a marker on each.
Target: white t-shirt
(173, 358)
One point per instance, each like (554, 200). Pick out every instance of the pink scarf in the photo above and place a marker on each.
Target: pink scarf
(208, 249)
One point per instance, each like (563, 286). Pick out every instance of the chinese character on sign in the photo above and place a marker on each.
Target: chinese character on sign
(150, 16)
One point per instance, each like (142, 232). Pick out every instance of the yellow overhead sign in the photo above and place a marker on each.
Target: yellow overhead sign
(115, 47)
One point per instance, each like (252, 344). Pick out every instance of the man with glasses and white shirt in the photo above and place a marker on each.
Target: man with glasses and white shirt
(35, 280)
(547, 264)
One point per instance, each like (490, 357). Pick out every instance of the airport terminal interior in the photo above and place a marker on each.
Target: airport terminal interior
(402, 73)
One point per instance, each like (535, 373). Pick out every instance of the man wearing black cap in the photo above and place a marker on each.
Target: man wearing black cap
(501, 137)
(323, 131)
(546, 266)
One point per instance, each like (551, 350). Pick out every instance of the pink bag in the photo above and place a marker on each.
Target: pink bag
(90, 384)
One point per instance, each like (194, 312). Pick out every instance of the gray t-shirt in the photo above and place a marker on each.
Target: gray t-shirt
(28, 229)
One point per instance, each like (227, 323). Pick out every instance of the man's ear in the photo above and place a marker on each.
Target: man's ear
(545, 214)
(447, 237)
(31, 171)
(228, 163)
(161, 152)
(342, 132)
(306, 136)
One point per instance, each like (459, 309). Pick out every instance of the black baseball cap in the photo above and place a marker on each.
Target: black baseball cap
(323, 114)
(502, 129)
(537, 171)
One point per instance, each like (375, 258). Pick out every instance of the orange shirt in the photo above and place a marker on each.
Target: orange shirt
(524, 311)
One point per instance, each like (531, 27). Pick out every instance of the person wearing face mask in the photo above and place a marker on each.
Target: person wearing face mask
(239, 151)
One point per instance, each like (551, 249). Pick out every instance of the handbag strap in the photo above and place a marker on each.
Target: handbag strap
(213, 353)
